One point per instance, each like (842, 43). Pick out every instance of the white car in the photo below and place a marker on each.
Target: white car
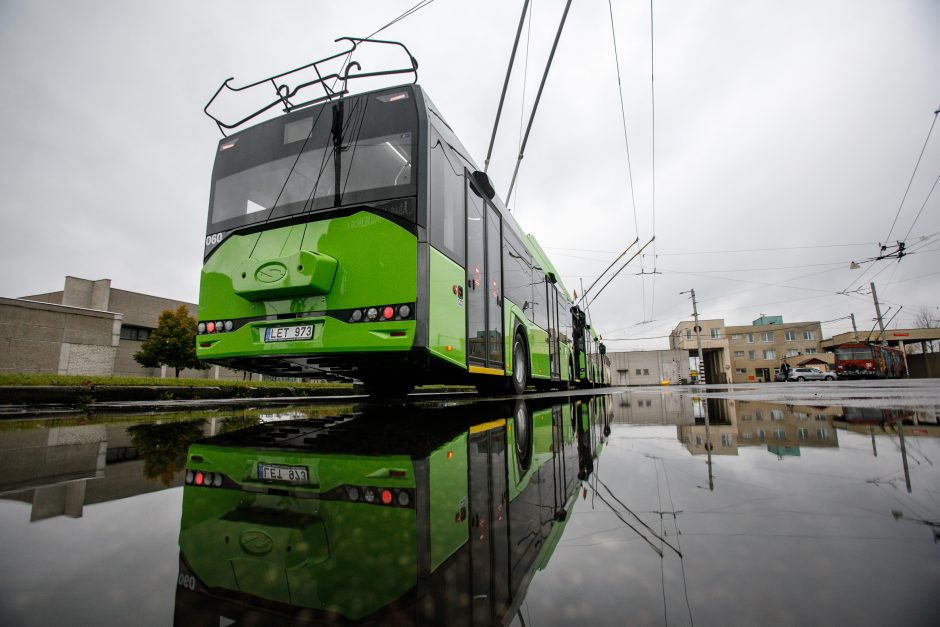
(811, 374)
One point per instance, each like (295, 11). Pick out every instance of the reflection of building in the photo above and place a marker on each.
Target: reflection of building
(60, 470)
(786, 427)
(720, 433)
(742, 354)
(87, 328)
(651, 409)
(649, 367)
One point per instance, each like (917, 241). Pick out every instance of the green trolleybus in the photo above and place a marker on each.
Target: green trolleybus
(407, 516)
(354, 238)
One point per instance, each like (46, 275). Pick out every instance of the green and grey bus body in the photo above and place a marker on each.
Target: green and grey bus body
(411, 515)
(356, 239)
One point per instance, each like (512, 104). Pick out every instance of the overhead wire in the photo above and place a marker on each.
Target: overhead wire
(913, 174)
(653, 141)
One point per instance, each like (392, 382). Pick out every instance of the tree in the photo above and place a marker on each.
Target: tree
(927, 319)
(172, 343)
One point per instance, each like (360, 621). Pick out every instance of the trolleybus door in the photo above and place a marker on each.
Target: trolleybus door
(553, 352)
(484, 284)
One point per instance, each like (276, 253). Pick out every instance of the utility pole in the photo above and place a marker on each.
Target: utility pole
(881, 323)
(701, 364)
(698, 337)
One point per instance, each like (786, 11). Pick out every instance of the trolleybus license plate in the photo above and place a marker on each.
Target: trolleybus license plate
(280, 472)
(283, 334)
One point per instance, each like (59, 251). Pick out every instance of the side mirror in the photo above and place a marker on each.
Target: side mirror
(603, 349)
(484, 183)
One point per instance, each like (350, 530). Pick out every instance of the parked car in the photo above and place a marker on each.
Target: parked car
(811, 374)
(779, 376)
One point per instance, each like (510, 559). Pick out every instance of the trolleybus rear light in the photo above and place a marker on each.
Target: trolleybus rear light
(201, 328)
(368, 495)
(372, 314)
(388, 313)
(404, 311)
(356, 316)
(386, 496)
(205, 479)
(210, 327)
(229, 325)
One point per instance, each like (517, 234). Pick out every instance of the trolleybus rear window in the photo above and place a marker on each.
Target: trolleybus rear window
(358, 150)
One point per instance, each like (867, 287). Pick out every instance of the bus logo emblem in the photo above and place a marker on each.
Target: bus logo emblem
(256, 542)
(271, 272)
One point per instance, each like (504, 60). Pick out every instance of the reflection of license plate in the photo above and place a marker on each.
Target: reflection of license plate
(284, 334)
(278, 472)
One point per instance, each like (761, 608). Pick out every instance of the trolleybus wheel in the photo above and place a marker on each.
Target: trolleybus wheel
(519, 365)
(522, 430)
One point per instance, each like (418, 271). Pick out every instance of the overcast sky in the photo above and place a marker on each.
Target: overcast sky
(786, 133)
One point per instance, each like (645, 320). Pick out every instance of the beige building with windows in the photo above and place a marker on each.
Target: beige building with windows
(752, 353)
(87, 328)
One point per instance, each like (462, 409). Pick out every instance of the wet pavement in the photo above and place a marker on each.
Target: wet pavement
(763, 504)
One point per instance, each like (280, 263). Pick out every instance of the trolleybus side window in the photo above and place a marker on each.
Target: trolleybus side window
(540, 296)
(447, 200)
(517, 272)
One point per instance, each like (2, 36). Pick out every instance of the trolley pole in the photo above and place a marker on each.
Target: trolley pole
(854, 328)
(881, 323)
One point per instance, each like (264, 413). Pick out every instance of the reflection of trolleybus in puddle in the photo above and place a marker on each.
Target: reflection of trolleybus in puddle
(407, 515)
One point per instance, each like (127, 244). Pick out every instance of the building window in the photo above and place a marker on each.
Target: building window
(741, 371)
(715, 333)
(750, 338)
(688, 334)
(809, 351)
(802, 433)
(727, 440)
(759, 414)
(141, 334)
(747, 436)
(735, 336)
(789, 336)
(822, 434)
(780, 434)
(752, 355)
(767, 337)
(746, 417)
(738, 354)
(776, 414)
(760, 434)
(792, 352)
(770, 354)
(638, 372)
(809, 335)
(698, 440)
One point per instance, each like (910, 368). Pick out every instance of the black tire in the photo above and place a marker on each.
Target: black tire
(520, 365)
(800, 379)
(522, 428)
(830, 378)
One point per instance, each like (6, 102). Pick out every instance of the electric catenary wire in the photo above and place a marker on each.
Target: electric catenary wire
(913, 174)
